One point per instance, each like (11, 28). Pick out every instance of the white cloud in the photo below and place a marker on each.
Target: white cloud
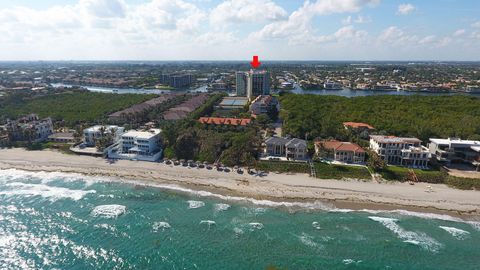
(427, 40)
(396, 36)
(104, 8)
(299, 27)
(475, 35)
(189, 29)
(459, 32)
(476, 24)
(246, 11)
(359, 20)
(405, 9)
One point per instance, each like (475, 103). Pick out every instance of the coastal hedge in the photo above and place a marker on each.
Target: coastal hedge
(329, 171)
(396, 173)
(463, 183)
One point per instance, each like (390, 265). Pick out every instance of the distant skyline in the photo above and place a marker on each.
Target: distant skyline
(411, 30)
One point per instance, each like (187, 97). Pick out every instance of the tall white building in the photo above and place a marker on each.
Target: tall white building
(400, 151)
(138, 145)
(92, 134)
(253, 83)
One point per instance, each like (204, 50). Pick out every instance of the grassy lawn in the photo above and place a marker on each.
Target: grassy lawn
(329, 171)
(400, 174)
(324, 171)
(283, 167)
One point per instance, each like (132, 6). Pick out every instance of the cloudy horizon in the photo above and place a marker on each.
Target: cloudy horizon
(157, 30)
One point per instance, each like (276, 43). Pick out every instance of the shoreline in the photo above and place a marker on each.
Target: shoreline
(293, 188)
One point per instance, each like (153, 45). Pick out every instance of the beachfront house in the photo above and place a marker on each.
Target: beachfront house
(345, 152)
(291, 149)
(394, 150)
(455, 150)
(138, 145)
(92, 134)
(29, 128)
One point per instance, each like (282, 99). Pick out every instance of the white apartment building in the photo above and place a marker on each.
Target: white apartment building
(400, 151)
(92, 134)
(138, 145)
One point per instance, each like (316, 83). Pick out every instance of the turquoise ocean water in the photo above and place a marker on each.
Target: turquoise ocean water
(68, 221)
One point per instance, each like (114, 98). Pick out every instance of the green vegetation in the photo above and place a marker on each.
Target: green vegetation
(463, 183)
(283, 167)
(208, 107)
(188, 139)
(420, 116)
(323, 170)
(401, 174)
(72, 107)
(328, 171)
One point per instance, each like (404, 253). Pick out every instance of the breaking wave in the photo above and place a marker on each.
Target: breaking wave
(455, 232)
(109, 210)
(195, 204)
(419, 239)
(49, 192)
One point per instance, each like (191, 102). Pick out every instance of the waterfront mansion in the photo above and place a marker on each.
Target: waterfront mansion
(400, 151)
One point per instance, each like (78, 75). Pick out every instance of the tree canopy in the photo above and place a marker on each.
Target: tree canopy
(420, 116)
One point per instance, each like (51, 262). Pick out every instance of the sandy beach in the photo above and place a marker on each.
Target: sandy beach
(354, 194)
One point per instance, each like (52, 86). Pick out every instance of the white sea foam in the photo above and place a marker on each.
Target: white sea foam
(221, 207)
(308, 240)
(455, 232)
(317, 205)
(50, 192)
(255, 225)
(238, 230)
(474, 224)
(195, 204)
(419, 239)
(109, 210)
(350, 261)
(208, 222)
(9, 175)
(316, 225)
(161, 225)
(400, 212)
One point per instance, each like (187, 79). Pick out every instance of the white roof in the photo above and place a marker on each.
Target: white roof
(476, 148)
(455, 141)
(99, 127)
(142, 134)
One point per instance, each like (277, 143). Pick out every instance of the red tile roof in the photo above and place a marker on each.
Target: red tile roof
(225, 121)
(341, 146)
(357, 125)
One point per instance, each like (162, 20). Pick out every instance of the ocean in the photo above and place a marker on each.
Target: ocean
(70, 221)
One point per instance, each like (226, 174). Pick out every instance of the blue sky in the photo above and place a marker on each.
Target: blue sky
(237, 29)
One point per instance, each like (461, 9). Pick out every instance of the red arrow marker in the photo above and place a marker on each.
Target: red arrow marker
(255, 63)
